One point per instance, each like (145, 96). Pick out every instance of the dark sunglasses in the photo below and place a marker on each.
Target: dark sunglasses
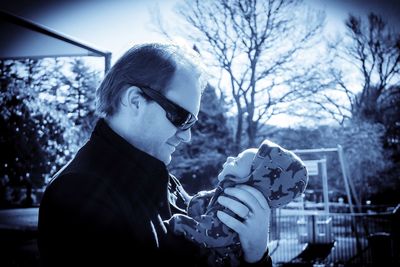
(178, 116)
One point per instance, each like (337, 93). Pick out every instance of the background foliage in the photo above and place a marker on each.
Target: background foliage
(46, 113)
(47, 106)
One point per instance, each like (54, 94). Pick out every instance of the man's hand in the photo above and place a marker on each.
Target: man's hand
(254, 209)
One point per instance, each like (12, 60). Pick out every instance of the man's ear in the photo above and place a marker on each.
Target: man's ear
(131, 98)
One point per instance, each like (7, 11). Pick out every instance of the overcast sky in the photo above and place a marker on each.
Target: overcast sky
(116, 25)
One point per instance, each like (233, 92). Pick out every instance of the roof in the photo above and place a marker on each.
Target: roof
(22, 38)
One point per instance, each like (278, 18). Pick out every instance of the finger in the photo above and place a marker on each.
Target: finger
(248, 199)
(231, 222)
(235, 206)
(257, 194)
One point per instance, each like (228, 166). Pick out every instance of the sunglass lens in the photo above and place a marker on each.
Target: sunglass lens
(182, 120)
(190, 121)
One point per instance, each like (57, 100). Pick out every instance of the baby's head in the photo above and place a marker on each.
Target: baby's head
(239, 167)
(278, 173)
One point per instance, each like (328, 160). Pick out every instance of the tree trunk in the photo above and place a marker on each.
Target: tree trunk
(251, 133)
(238, 135)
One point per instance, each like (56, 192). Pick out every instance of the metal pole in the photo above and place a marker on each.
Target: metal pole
(314, 227)
(346, 182)
(107, 62)
(325, 185)
(314, 150)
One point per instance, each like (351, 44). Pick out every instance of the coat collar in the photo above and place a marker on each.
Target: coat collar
(155, 180)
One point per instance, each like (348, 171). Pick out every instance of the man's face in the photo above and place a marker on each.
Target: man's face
(237, 166)
(160, 137)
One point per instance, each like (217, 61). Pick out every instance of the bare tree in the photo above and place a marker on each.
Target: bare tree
(373, 50)
(256, 44)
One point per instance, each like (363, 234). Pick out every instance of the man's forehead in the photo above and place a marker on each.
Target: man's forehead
(184, 89)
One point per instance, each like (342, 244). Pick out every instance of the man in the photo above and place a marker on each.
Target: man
(107, 206)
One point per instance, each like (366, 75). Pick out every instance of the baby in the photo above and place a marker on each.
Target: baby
(276, 172)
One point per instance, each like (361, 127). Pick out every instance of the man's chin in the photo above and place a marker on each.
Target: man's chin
(167, 160)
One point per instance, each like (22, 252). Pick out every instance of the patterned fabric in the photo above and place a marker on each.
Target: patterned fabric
(278, 173)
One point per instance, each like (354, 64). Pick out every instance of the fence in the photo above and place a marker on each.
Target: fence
(337, 239)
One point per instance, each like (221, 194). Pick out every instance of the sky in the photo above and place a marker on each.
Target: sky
(116, 25)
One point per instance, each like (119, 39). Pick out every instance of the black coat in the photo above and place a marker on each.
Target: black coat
(105, 208)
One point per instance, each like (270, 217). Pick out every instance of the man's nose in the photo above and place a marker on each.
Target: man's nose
(184, 136)
(229, 159)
